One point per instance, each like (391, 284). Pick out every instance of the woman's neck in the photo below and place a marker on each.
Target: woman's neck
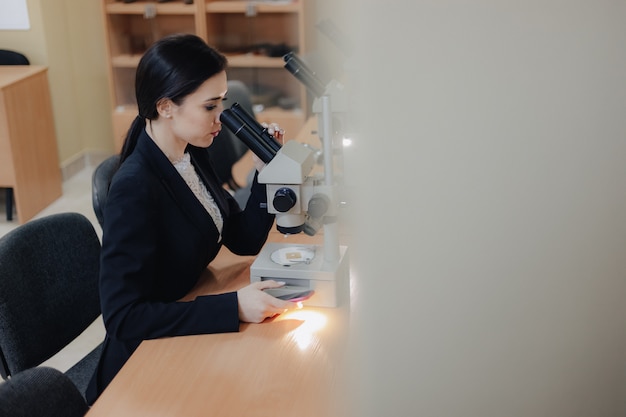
(173, 148)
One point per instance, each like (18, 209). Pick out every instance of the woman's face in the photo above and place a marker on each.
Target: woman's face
(197, 119)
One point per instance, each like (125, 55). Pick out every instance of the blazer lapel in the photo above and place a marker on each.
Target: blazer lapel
(202, 163)
(174, 184)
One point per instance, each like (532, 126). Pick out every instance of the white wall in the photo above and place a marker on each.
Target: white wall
(491, 231)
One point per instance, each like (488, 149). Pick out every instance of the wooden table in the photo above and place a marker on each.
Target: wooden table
(29, 162)
(289, 366)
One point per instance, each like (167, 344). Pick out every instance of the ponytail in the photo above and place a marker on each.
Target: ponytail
(138, 125)
(173, 67)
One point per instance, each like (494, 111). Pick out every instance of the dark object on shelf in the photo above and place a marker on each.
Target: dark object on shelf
(159, 1)
(272, 50)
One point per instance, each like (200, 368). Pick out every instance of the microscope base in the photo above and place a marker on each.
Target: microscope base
(329, 280)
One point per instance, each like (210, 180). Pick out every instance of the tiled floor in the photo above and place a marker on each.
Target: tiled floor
(76, 198)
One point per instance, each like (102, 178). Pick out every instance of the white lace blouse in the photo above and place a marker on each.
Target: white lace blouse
(187, 171)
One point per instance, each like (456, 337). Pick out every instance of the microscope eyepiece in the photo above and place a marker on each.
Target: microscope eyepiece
(307, 77)
(247, 135)
(253, 124)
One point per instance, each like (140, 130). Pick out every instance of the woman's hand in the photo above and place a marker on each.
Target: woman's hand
(255, 305)
(275, 130)
(278, 134)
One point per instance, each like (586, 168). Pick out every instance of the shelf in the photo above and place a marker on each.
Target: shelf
(234, 61)
(254, 61)
(229, 25)
(140, 7)
(125, 61)
(257, 6)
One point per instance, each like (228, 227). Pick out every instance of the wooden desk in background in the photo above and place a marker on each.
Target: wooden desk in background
(29, 161)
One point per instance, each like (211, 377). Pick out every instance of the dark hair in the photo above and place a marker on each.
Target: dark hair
(173, 67)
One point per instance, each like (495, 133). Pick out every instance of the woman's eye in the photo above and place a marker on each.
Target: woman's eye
(211, 107)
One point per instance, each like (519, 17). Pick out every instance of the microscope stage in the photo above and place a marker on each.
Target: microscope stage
(329, 280)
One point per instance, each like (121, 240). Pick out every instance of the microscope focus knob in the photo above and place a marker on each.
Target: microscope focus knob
(284, 199)
(318, 205)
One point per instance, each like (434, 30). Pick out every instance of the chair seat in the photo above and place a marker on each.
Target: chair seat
(83, 370)
(41, 391)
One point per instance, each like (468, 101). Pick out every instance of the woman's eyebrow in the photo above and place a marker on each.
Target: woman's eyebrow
(220, 97)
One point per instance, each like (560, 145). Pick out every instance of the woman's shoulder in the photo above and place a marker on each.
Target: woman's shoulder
(133, 168)
(133, 177)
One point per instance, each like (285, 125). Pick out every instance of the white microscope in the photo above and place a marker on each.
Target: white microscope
(301, 201)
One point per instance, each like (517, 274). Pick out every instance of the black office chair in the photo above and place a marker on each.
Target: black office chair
(100, 182)
(41, 391)
(8, 57)
(227, 149)
(49, 293)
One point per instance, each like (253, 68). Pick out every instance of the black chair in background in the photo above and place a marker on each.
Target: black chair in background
(41, 391)
(49, 293)
(227, 149)
(100, 182)
(8, 57)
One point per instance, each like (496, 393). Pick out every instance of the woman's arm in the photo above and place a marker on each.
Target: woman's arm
(246, 231)
(129, 263)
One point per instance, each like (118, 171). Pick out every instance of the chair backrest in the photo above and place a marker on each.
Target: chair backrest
(227, 149)
(8, 57)
(41, 391)
(49, 293)
(100, 182)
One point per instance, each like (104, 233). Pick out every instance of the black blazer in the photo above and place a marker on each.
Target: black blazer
(157, 241)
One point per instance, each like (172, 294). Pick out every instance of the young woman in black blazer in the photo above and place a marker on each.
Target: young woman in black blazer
(167, 216)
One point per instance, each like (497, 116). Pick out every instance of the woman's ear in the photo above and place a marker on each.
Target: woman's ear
(164, 108)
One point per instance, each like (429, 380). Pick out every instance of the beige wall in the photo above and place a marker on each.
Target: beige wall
(490, 257)
(68, 37)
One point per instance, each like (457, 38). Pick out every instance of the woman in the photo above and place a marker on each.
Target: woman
(166, 215)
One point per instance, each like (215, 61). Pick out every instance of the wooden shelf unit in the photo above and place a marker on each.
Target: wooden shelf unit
(245, 31)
